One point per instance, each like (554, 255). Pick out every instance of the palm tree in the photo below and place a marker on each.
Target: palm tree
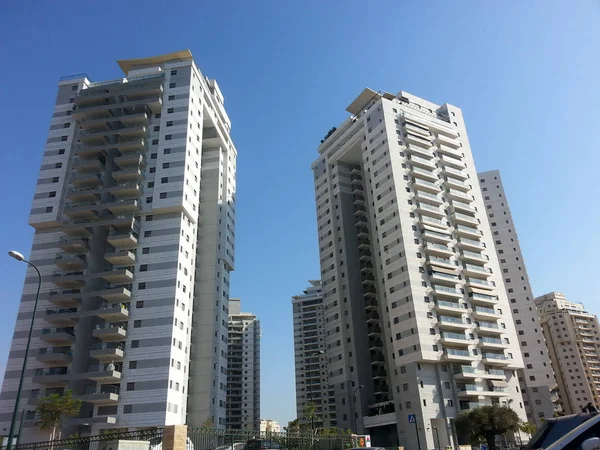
(54, 408)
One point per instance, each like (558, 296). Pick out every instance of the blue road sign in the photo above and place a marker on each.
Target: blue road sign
(484, 447)
(412, 418)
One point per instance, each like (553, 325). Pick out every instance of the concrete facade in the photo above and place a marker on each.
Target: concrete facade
(134, 218)
(243, 372)
(573, 338)
(414, 300)
(537, 381)
(310, 364)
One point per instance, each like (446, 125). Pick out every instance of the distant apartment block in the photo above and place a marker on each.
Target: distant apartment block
(415, 307)
(134, 219)
(573, 338)
(270, 426)
(243, 371)
(536, 380)
(309, 358)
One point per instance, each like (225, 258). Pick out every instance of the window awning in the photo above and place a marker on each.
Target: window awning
(498, 383)
(480, 291)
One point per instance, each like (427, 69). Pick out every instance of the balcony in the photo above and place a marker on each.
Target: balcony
(486, 313)
(417, 161)
(469, 390)
(58, 336)
(373, 317)
(492, 343)
(434, 222)
(448, 278)
(62, 316)
(103, 395)
(447, 141)
(453, 354)
(82, 210)
(374, 331)
(364, 244)
(454, 173)
(70, 261)
(447, 291)
(358, 200)
(65, 297)
(418, 141)
(74, 244)
(466, 406)
(94, 165)
(128, 174)
(68, 279)
(131, 120)
(427, 186)
(449, 161)
(489, 327)
(121, 257)
(497, 359)
(430, 210)
(90, 136)
(91, 112)
(459, 339)
(376, 345)
(466, 255)
(113, 312)
(477, 271)
(125, 205)
(466, 372)
(453, 183)
(108, 351)
(435, 236)
(483, 299)
(464, 219)
(424, 174)
(87, 180)
(441, 262)
(55, 355)
(110, 332)
(56, 376)
(360, 211)
(431, 198)
(419, 151)
(445, 150)
(482, 284)
(494, 374)
(453, 323)
(106, 373)
(131, 159)
(124, 190)
(118, 238)
(417, 130)
(438, 249)
(450, 307)
(471, 244)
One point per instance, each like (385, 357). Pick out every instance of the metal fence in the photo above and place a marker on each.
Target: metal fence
(211, 439)
(100, 442)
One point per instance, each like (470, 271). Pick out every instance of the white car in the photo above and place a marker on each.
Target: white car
(234, 446)
(585, 437)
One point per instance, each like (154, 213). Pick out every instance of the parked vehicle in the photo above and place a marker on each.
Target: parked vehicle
(263, 444)
(586, 436)
(553, 429)
(234, 446)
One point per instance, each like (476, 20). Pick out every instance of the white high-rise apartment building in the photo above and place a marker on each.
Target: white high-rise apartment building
(270, 426)
(310, 361)
(134, 217)
(537, 380)
(573, 337)
(243, 371)
(415, 306)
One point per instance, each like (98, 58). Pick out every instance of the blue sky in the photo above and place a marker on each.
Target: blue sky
(526, 75)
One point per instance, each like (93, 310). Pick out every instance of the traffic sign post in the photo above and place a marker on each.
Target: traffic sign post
(412, 418)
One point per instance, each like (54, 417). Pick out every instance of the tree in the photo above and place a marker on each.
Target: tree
(310, 411)
(54, 408)
(528, 428)
(293, 426)
(208, 423)
(486, 422)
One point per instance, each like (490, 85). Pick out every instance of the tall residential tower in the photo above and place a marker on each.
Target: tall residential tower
(573, 337)
(134, 216)
(415, 306)
(310, 361)
(243, 371)
(537, 380)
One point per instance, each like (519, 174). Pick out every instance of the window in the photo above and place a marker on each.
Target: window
(164, 180)
(49, 209)
(166, 165)
(55, 179)
(156, 128)
(57, 165)
(171, 97)
(145, 250)
(170, 123)
(141, 286)
(137, 324)
(127, 409)
(135, 344)
(64, 138)
(170, 110)
(172, 85)
(163, 195)
(148, 199)
(61, 151)
(167, 151)
(144, 267)
(131, 386)
(173, 72)
(139, 304)
(52, 194)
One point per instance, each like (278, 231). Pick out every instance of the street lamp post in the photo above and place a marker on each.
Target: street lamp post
(19, 257)
(354, 407)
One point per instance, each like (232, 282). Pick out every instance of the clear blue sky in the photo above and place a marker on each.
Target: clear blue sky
(526, 75)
